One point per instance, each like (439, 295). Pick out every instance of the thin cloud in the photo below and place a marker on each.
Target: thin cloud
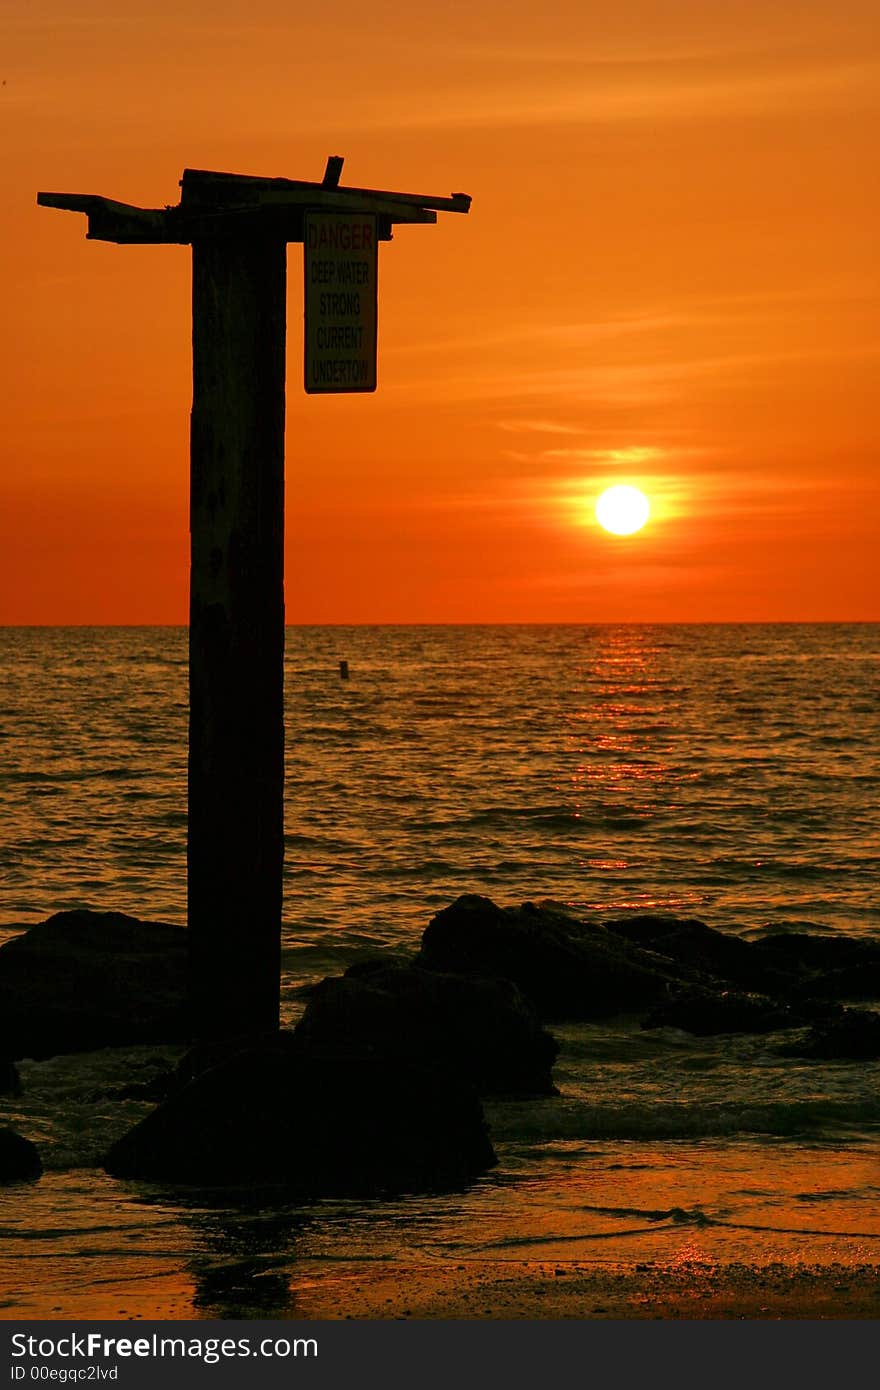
(735, 312)
(629, 383)
(629, 99)
(536, 427)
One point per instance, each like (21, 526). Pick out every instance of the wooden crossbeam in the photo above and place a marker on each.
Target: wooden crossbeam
(176, 226)
(215, 204)
(120, 222)
(209, 185)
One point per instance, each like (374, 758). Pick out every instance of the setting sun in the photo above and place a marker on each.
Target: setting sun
(622, 510)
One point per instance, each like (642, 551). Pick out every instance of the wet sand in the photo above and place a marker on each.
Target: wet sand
(680, 1287)
(528, 1290)
(717, 1227)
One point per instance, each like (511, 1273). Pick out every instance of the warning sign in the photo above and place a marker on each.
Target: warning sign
(341, 280)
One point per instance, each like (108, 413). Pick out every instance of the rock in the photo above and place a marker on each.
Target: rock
(484, 1031)
(851, 1035)
(816, 951)
(199, 1058)
(84, 980)
(851, 982)
(19, 1159)
(722, 955)
(568, 968)
(824, 967)
(316, 1126)
(793, 966)
(690, 941)
(154, 1090)
(10, 1081)
(707, 1013)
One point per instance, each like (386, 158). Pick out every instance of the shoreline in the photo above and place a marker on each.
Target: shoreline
(529, 1290)
(516, 1290)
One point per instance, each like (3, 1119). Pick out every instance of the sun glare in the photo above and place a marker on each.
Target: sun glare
(622, 510)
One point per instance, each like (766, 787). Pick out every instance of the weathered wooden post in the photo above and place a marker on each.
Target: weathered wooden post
(239, 228)
(235, 828)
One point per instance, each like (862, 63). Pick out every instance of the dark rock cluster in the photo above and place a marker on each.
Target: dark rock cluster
(377, 1089)
(84, 980)
(849, 1035)
(19, 1159)
(675, 972)
(482, 1030)
(317, 1126)
(568, 968)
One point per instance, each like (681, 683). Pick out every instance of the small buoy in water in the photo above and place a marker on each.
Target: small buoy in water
(343, 670)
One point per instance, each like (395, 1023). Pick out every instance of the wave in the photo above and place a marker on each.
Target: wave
(662, 1222)
(804, 1119)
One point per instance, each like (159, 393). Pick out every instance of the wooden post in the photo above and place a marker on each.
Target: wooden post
(235, 845)
(239, 227)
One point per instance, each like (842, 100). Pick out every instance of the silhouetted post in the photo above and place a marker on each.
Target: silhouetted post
(235, 843)
(239, 227)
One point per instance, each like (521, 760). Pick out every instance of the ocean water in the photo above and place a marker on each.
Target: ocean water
(727, 772)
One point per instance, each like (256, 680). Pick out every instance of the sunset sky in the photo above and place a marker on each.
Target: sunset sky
(669, 277)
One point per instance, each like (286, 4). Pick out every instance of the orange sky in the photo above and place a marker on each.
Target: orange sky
(669, 277)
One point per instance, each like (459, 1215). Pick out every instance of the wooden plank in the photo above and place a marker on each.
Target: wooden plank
(236, 735)
(119, 222)
(212, 186)
(333, 172)
(315, 196)
(150, 227)
(73, 202)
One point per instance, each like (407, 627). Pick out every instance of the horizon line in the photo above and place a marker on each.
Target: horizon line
(487, 622)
